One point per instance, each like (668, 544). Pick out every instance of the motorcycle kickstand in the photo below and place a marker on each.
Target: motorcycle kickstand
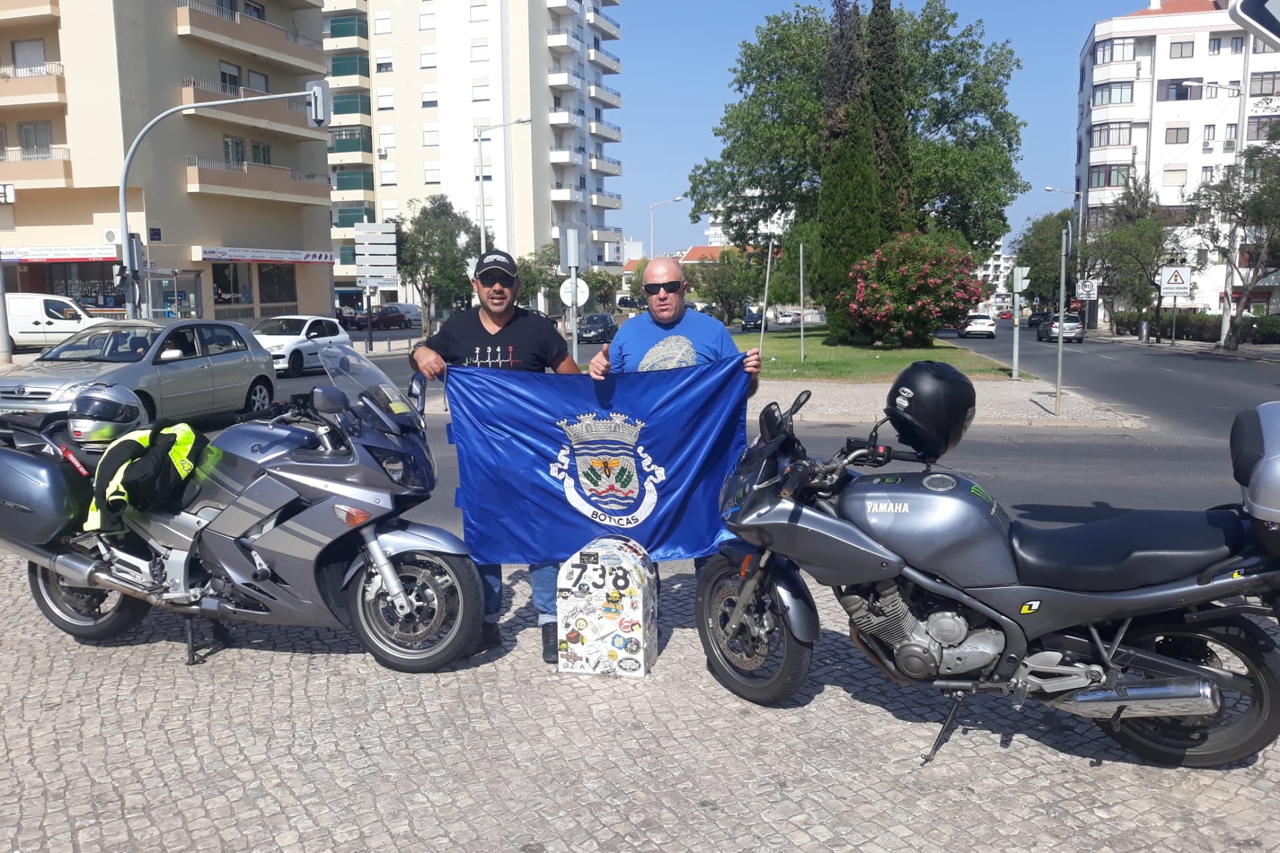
(947, 724)
(221, 634)
(192, 658)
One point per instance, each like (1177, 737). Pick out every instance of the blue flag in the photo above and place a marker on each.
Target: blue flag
(549, 462)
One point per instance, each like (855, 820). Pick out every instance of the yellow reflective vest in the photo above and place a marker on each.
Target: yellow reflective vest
(145, 469)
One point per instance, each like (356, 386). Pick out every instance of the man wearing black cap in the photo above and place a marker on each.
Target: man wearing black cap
(498, 334)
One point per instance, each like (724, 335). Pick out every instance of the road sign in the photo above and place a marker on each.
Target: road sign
(1002, 298)
(376, 254)
(1175, 281)
(571, 244)
(1087, 290)
(375, 283)
(1260, 17)
(566, 292)
(1020, 280)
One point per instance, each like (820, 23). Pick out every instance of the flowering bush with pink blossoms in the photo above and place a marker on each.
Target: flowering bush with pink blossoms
(913, 285)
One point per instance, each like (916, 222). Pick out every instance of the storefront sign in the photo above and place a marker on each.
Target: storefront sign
(286, 256)
(60, 254)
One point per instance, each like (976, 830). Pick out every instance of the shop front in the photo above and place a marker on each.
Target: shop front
(247, 284)
(81, 273)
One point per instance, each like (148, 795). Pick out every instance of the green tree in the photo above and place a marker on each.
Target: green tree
(434, 247)
(730, 283)
(538, 274)
(604, 287)
(1238, 218)
(1039, 247)
(888, 103)
(635, 289)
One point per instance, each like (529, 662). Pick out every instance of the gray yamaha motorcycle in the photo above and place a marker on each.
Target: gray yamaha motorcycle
(1148, 623)
(291, 521)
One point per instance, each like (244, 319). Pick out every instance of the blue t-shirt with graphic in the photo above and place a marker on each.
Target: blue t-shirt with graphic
(641, 344)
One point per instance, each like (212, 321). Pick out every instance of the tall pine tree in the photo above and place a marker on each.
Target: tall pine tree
(887, 91)
(849, 212)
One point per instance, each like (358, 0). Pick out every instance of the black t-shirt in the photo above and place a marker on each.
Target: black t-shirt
(527, 342)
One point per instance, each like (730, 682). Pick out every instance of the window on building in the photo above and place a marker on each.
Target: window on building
(1215, 47)
(387, 174)
(390, 210)
(430, 137)
(1233, 131)
(429, 101)
(479, 171)
(431, 177)
(1177, 135)
(427, 56)
(1211, 89)
(1234, 91)
(1210, 132)
(386, 136)
(1175, 177)
(258, 82)
(1108, 176)
(1080, 88)
(1260, 46)
(426, 20)
(232, 284)
(1113, 50)
(479, 12)
(1237, 44)
(254, 10)
(229, 77)
(1182, 89)
(1110, 133)
(479, 53)
(480, 92)
(1113, 93)
(382, 23)
(261, 153)
(1259, 128)
(277, 283)
(1079, 150)
(1181, 49)
(1202, 257)
(1206, 174)
(233, 149)
(386, 99)
(382, 59)
(1263, 84)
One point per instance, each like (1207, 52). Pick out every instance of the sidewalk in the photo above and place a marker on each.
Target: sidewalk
(1266, 353)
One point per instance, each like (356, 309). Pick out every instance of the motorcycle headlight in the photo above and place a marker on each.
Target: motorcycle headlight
(402, 469)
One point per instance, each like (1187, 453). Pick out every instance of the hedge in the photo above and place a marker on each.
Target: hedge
(1201, 327)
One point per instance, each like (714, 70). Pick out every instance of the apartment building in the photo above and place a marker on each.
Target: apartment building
(232, 204)
(998, 268)
(1171, 92)
(416, 82)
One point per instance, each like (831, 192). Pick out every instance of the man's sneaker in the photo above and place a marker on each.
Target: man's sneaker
(490, 637)
(550, 643)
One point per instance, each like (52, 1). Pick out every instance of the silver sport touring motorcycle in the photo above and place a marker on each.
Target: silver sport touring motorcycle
(293, 519)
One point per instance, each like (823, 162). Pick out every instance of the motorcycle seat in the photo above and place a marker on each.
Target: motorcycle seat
(1139, 548)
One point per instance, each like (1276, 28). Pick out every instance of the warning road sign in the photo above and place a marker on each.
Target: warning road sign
(1175, 281)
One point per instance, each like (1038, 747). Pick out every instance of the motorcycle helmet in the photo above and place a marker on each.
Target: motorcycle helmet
(102, 412)
(930, 404)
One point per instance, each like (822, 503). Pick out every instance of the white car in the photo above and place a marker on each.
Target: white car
(294, 340)
(786, 318)
(978, 324)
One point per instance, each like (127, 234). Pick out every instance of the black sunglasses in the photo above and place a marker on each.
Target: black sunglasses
(490, 280)
(668, 286)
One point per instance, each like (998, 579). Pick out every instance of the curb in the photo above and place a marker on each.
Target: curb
(1192, 346)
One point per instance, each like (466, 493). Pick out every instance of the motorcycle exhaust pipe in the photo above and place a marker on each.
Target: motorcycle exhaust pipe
(78, 569)
(1170, 697)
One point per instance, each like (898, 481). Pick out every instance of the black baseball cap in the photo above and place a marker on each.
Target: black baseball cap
(496, 259)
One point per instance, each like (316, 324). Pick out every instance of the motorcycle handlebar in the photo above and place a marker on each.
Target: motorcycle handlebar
(273, 411)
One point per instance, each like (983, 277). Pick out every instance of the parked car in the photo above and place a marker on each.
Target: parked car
(787, 318)
(344, 315)
(753, 320)
(978, 324)
(187, 369)
(1072, 329)
(1036, 316)
(1005, 315)
(596, 328)
(629, 302)
(412, 313)
(41, 319)
(386, 317)
(294, 340)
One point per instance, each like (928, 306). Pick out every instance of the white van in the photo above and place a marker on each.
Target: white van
(412, 313)
(41, 319)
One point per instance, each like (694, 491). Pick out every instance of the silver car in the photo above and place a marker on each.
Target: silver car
(1072, 329)
(183, 370)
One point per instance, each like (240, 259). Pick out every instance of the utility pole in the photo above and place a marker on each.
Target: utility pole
(1062, 313)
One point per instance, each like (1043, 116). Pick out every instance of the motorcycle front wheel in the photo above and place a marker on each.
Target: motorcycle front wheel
(763, 662)
(82, 612)
(443, 623)
(1248, 720)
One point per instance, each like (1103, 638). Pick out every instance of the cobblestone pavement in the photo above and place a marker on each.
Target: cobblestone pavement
(294, 740)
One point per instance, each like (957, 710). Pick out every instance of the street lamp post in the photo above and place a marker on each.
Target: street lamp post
(1062, 290)
(480, 132)
(1079, 237)
(651, 207)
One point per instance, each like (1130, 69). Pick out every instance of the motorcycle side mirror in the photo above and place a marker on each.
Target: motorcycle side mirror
(416, 388)
(771, 422)
(328, 400)
(801, 399)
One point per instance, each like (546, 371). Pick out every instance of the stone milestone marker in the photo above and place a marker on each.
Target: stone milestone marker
(607, 609)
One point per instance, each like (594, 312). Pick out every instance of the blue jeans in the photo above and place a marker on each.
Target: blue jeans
(542, 577)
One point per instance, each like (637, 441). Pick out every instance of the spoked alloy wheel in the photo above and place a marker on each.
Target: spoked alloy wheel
(443, 622)
(84, 613)
(763, 662)
(1249, 717)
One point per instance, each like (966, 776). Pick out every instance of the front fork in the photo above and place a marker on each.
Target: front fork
(386, 571)
(753, 572)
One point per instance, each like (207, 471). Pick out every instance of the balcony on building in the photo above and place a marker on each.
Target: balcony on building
(563, 79)
(610, 2)
(609, 63)
(241, 179)
(36, 168)
(605, 95)
(352, 109)
(606, 165)
(302, 5)
(565, 7)
(566, 193)
(563, 41)
(605, 130)
(565, 118)
(345, 262)
(606, 234)
(349, 71)
(250, 36)
(567, 156)
(287, 117)
(351, 147)
(606, 200)
(28, 11)
(347, 34)
(338, 7)
(354, 185)
(606, 26)
(32, 85)
(345, 217)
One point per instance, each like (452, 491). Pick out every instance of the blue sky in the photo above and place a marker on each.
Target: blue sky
(675, 83)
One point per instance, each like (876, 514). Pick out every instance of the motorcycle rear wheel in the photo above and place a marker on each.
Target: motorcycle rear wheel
(82, 612)
(742, 663)
(1245, 725)
(444, 624)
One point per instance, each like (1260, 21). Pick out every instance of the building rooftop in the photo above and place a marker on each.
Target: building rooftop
(1179, 7)
(702, 254)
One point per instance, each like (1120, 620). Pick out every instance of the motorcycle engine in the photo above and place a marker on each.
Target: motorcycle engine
(943, 645)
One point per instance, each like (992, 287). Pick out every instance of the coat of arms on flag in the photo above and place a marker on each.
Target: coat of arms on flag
(617, 481)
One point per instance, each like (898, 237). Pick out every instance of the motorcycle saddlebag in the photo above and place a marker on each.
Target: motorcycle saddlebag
(41, 497)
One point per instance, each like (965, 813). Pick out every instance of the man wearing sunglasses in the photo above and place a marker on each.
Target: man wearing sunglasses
(498, 334)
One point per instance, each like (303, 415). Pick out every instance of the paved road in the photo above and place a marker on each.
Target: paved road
(1179, 389)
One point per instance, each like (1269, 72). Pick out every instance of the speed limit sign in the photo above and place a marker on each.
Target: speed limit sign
(1086, 290)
